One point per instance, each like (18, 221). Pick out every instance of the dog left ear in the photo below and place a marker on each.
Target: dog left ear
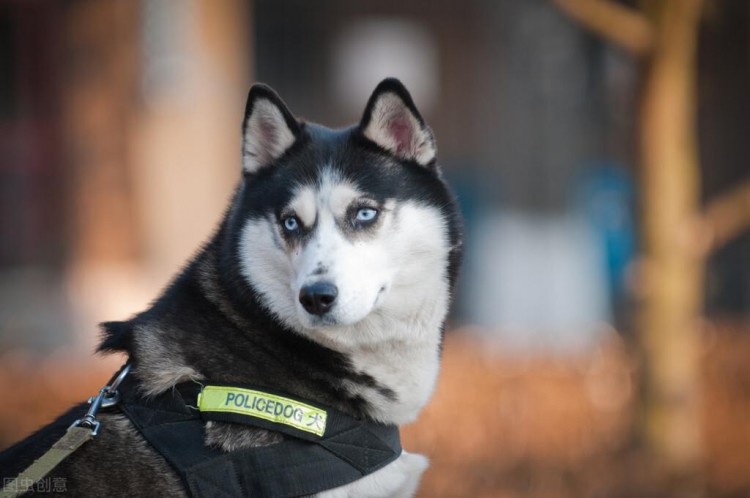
(392, 121)
(268, 130)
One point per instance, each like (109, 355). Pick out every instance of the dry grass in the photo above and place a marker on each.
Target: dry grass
(502, 425)
(726, 421)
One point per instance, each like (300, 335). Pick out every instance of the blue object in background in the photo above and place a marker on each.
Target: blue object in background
(605, 193)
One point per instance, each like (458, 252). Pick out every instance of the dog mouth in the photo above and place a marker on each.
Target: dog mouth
(332, 313)
(318, 322)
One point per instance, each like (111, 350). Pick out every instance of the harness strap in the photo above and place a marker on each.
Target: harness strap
(335, 449)
(73, 439)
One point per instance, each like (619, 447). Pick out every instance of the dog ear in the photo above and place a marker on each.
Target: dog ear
(392, 121)
(268, 130)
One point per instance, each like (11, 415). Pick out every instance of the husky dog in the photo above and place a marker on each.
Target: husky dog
(329, 278)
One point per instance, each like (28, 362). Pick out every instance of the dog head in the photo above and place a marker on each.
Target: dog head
(342, 232)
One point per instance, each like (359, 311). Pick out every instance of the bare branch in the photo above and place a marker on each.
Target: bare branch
(726, 217)
(620, 25)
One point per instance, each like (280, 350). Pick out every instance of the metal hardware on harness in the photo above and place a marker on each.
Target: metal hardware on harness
(108, 396)
(79, 432)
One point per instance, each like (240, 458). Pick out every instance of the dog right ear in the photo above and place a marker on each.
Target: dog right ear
(268, 130)
(391, 121)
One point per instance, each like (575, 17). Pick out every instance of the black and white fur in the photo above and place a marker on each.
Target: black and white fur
(329, 278)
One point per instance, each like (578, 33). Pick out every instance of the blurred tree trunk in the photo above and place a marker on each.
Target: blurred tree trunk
(678, 236)
(673, 267)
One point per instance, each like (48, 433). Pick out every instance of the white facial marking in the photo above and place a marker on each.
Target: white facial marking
(392, 284)
(338, 258)
(303, 205)
(338, 196)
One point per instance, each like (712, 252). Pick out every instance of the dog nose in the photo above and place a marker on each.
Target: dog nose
(318, 298)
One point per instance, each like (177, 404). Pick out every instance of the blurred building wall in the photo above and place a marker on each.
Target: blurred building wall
(195, 76)
(182, 147)
(142, 103)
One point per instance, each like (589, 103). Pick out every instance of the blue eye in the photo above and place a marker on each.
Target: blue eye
(367, 214)
(290, 224)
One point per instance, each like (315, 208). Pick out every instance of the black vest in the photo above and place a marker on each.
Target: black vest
(313, 456)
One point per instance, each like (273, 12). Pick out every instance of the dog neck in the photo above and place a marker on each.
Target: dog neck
(196, 331)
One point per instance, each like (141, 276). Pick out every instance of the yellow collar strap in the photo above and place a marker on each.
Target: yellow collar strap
(263, 405)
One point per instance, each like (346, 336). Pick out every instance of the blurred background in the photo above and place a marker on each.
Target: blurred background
(600, 339)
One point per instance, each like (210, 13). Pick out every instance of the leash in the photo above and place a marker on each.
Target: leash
(79, 432)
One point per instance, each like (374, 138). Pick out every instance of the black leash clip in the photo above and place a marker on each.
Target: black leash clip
(108, 397)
